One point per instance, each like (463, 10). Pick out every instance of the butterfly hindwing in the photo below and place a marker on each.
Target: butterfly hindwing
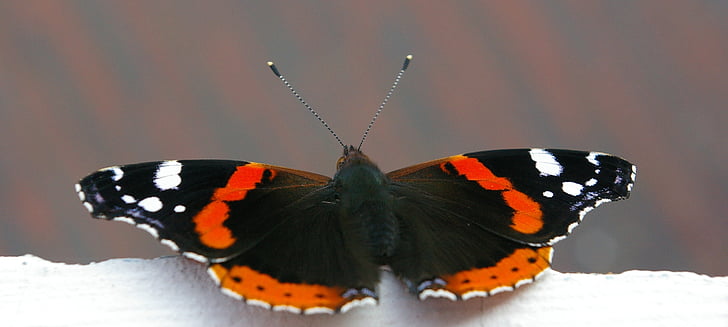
(496, 214)
(250, 221)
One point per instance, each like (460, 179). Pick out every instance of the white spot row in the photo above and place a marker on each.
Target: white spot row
(545, 162)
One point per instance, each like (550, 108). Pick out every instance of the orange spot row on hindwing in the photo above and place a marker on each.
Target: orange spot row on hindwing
(256, 286)
(522, 264)
(527, 218)
(209, 222)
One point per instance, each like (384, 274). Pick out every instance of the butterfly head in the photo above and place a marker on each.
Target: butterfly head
(352, 156)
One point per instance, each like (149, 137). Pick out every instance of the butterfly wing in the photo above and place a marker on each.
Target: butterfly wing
(495, 214)
(260, 227)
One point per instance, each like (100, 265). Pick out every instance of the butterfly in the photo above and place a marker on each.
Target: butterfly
(458, 227)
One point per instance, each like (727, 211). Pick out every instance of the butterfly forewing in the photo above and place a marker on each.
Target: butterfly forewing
(195, 204)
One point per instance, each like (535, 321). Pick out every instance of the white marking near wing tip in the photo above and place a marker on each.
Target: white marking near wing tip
(81, 196)
(88, 207)
(591, 182)
(358, 303)
(124, 219)
(545, 162)
(179, 208)
(599, 202)
(584, 211)
(148, 228)
(128, 199)
(572, 226)
(287, 308)
(437, 293)
(592, 157)
(167, 175)
(151, 204)
(170, 244)
(195, 256)
(472, 294)
(77, 186)
(117, 187)
(318, 310)
(572, 188)
(554, 240)
(118, 173)
(548, 194)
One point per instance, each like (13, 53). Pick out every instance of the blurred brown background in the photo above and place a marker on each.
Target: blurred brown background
(87, 84)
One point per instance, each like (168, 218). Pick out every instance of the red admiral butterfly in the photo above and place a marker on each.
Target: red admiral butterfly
(469, 225)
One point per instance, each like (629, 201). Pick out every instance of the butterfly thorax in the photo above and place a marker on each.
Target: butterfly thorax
(365, 206)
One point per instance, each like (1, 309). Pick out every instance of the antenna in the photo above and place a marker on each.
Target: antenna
(386, 98)
(300, 99)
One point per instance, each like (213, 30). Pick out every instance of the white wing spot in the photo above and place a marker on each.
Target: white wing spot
(548, 194)
(124, 219)
(118, 173)
(257, 303)
(591, 182)
(128, 199)
(236, 296)
(167, 175)
(149, 229)
(358, 303)
(179, 208)
(500, 290)
(318, 310)
(170, 244)
(88, 207)
(572, 188)
(151, 204)
(592, 157)
(545, 162)
(437, 293)
(472, 294)
(287, 308)
(195, 256)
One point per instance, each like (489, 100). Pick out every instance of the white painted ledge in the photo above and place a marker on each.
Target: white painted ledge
(173, 291)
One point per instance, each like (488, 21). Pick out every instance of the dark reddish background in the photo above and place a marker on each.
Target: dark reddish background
(87, 84)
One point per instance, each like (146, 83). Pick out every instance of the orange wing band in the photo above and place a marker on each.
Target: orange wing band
(527, 218)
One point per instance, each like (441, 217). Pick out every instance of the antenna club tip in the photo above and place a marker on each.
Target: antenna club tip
(407, 60)
(272, 67)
